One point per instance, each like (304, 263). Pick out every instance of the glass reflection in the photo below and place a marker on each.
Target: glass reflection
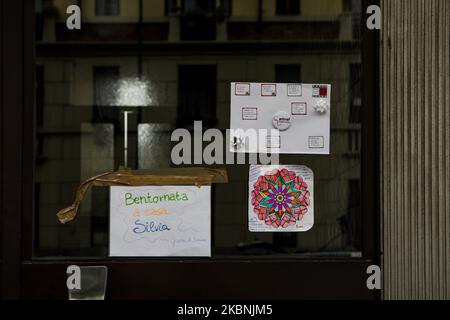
(173, 66)
(154, 146)
(134, 92)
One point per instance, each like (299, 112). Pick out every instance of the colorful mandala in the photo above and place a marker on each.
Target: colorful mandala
(280, 198)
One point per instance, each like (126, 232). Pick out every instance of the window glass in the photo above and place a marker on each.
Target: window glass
(166, 72)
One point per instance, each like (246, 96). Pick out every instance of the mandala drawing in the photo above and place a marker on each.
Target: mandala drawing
(280, 198)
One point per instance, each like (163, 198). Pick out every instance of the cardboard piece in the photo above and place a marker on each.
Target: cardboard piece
(126, 177)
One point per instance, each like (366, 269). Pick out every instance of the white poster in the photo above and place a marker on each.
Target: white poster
(299, 112)
(160, 221)
(281, 198)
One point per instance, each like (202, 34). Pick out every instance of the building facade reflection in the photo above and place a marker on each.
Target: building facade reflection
(171, 62)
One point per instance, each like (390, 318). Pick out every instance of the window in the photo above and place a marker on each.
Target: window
(82, 136)
(39, 21)
(354, 141)
(356, 18)
(288, 7)
(355, 93)
(196, 94)
(350, 222)
(226, 7)
(287, 73)
(107, 7)
(198, 6)
(198, 21)
(354, 193)
(170, 7)
(39, 96)
(105, 83)
(347, 6)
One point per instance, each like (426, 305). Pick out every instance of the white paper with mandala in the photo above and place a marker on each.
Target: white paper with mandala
(160, 221)
(281, 198)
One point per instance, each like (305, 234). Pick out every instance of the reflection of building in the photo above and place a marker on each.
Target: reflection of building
(171, 62)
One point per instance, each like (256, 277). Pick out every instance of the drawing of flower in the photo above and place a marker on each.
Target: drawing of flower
(280, 198)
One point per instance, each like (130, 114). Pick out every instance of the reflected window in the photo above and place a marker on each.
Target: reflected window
(287, 73)
(196, 94)
(351, 221)
(105, 91)
(355, 92)
(198, 21)
(39, 96)
(288, 7)
(354, 142)
(356, 18)
(198, 6)
(226, 7)
(170, 7)
(107, 7)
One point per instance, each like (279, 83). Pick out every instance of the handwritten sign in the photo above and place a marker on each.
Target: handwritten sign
(160, 221)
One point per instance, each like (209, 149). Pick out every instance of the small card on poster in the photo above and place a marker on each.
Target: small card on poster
(249, 113)
(160, 221)
(298, 111)
(242, 89)
(294, 90)
(299, 108)
(281, 198)
(268, 90)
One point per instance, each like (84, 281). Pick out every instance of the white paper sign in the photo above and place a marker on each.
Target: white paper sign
(281, 198)
(305, 110)
(160, 221)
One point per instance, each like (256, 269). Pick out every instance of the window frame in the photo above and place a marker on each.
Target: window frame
(23, 277)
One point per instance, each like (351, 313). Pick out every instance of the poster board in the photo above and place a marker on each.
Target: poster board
(300, 112)
(160, 221)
